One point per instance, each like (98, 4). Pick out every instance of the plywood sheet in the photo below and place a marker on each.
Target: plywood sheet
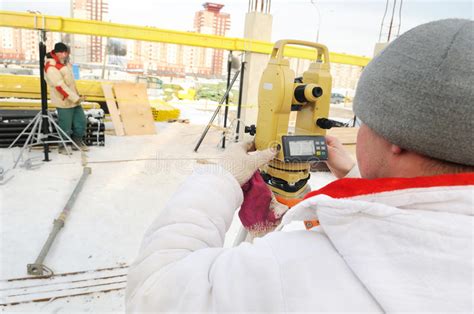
(134, 108)
(348, 138)
(345, 135)
(113, 111)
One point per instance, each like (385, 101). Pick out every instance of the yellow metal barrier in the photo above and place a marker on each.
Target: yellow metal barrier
(36, 105)
(107, 29)
(25, 86)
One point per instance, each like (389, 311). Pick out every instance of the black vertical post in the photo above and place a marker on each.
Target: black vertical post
(44, 95)
(239, 105)
(226, 110)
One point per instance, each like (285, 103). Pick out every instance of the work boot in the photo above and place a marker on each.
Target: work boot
(63, 151)
(82, 145)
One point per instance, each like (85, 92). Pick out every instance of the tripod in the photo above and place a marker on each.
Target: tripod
(225, 98)
(42, 123)
(42, 130)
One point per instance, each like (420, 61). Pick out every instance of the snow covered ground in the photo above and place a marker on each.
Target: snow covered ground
(132, 178)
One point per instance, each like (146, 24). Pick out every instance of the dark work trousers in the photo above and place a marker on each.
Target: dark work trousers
(72, 121)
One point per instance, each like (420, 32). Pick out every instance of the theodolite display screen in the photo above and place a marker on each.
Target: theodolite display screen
(304, 148)
(301, 148)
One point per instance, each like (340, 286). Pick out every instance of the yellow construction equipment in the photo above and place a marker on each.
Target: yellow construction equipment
(279, 94)
(33, 104)
(162, 111)
(25, 86)
(153, 34)
(189, 94)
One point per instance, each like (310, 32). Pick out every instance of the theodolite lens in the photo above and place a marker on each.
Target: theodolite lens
(310, 90)
(317, 91)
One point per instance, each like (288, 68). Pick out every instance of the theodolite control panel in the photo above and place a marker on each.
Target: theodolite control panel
(304, 148)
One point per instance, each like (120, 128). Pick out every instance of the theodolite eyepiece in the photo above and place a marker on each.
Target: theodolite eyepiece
(307, 93)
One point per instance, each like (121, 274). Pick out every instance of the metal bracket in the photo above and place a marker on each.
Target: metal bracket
(29, 165)
(43, 20)
(39, 270)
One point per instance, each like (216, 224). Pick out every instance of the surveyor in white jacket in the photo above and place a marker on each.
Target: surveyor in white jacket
(398, 239)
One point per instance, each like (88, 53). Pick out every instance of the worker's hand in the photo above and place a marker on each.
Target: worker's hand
(278, 208)
(339, 161)
(81, 99)
(241, 160)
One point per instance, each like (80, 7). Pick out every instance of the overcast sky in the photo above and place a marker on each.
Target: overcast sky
(349, 26)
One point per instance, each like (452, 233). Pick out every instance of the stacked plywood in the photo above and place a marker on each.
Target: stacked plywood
(129, 108)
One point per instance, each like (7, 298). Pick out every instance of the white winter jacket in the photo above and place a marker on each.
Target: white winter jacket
(383, 245)
(60, 79)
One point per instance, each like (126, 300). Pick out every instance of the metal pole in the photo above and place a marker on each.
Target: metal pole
(391, 21)
(226, 110)
(38, 268)
(319, 20)
(239, 105)
(104, 63)
(71, 13)
(400, 18)
(383, 19)
(44, 95)
(203, 135)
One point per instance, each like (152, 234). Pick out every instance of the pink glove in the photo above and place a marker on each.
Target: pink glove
(260, 212)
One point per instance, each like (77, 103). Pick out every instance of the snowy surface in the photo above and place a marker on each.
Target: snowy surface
(132, 178)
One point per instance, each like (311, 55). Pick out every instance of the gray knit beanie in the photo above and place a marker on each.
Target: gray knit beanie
(418, 93)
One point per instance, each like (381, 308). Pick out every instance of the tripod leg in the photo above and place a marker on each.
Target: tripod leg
(23, 132)
(203, 135)
(61, 131)
(63, 142)
(239, 106)
(33, 130)
(208, 126)
(40, 128)
(226, 109)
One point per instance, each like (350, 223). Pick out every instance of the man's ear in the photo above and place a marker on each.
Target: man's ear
(397, 150)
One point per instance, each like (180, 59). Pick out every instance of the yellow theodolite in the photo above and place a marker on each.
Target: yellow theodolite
(279, 94)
